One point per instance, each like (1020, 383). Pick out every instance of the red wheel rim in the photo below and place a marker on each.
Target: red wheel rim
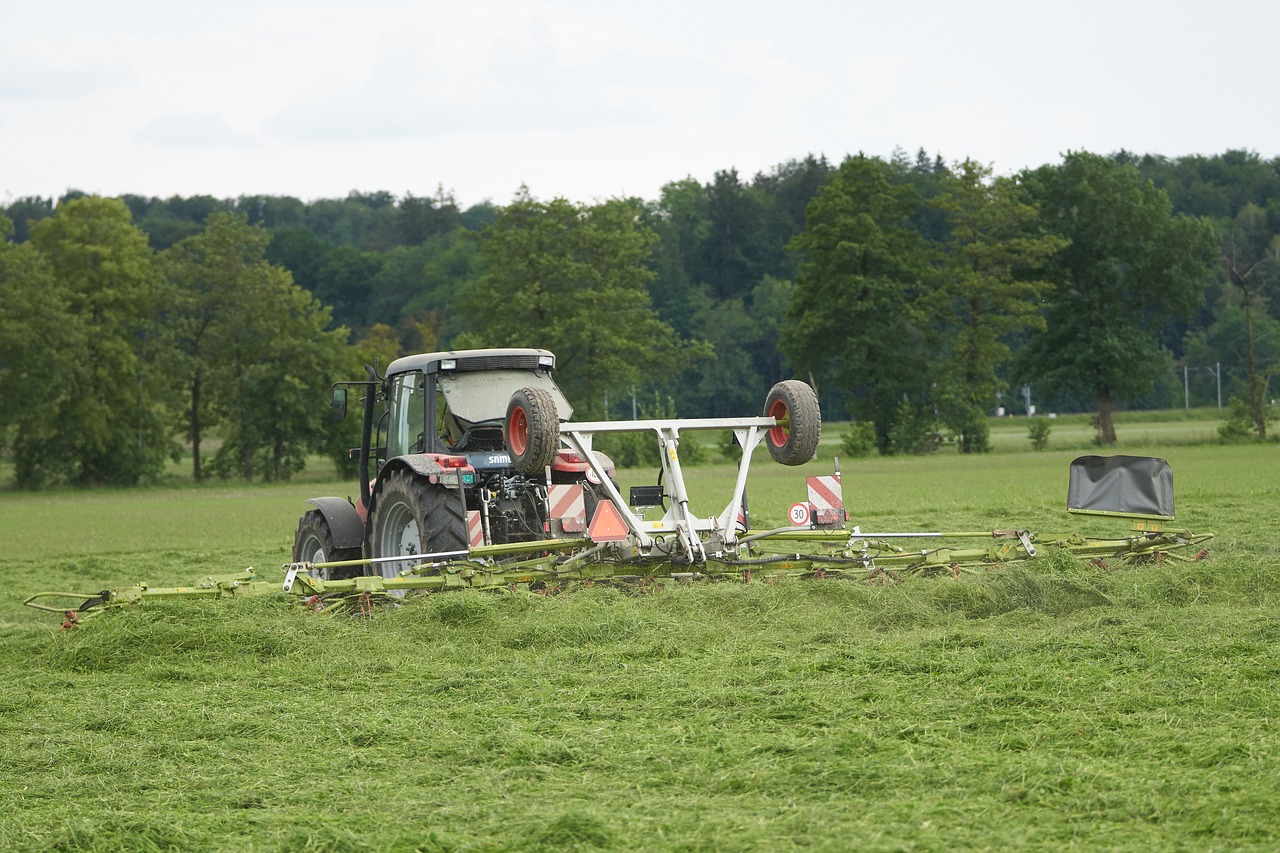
(518, 430)
(778, 434)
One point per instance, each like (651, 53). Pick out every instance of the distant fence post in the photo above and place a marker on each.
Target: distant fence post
(1216, 370)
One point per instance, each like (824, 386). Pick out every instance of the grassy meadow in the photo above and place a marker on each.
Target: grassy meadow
(1055, 705)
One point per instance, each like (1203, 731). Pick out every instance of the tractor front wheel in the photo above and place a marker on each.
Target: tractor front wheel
(313, 543)
(531, 431)
(794, 407)
(413, 516)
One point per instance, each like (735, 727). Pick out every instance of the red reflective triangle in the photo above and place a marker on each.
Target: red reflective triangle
(607, 524)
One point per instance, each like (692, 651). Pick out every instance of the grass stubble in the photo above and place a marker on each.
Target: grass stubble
(1050, 706)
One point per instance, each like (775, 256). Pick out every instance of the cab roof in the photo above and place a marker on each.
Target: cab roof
(509, 358)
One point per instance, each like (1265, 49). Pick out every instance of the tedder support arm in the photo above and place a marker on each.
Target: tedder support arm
(679, 520)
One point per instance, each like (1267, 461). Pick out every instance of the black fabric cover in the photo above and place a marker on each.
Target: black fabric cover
(1129, 485)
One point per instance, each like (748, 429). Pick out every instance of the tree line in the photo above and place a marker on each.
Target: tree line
(914, 293)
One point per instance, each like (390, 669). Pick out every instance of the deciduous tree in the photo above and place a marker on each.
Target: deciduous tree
(112, 422)
(39, 344)
(1251, 258)
(572, 279)
(258, 352)
(1130, 266)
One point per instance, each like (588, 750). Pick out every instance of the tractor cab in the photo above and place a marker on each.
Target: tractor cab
(455, 403)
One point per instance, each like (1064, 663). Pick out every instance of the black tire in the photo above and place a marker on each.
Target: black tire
(413, 516)
(794, 405)
(313, 543)
(531, 431)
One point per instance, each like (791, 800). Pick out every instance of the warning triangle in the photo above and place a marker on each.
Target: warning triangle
(607, 524)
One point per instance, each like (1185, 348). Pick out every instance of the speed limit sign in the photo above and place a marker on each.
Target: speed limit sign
(799, 513)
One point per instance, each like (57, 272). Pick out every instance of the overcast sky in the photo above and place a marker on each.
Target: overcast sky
(589, 100)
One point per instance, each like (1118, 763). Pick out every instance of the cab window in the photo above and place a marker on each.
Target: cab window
(407, 415)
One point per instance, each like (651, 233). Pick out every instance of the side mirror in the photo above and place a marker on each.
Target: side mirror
(338, 405)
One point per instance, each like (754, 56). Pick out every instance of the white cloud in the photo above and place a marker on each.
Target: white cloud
(30, 74)
(587, 100)
(192, 130)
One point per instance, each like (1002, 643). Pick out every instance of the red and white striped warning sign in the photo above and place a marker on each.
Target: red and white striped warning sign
(568, 507)
(475, 529)
(827, 499)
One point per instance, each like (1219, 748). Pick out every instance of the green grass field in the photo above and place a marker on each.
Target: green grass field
(1051, 706)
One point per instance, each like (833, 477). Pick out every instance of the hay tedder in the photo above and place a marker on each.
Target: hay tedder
(481, 480)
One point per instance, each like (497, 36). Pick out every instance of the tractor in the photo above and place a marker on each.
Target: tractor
(474, 448)
(463, 446)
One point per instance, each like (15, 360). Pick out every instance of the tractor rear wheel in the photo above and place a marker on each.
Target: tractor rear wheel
(313, 543)
(794, 406)
(413, 516)
(531, 431)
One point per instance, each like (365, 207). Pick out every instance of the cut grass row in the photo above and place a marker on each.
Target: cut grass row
(1020, 710)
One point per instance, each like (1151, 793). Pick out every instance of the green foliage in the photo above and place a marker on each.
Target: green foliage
(1216, 186)
(851, 321)
(1038, 430)
(572, 279)
(727, 382)
(914, 430)
(728, 447)
(21, 213)
(300, 251)
(692, 450)
(109, 422)
(259, 355)
(641, 450)
(1240, 425)
(419, 282)
(1130, 266)
(38, 343)
(1225, 342)
(166, 221)
(344, 280)
(679, 219)
(770, 301)
(731, 247)
(982, 294)
(885, 315)
(275, 407)
(1251, 258)
(723, 276)
(859, 440)
(421, 219)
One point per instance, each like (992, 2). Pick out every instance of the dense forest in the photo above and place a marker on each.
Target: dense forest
(918, 295)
